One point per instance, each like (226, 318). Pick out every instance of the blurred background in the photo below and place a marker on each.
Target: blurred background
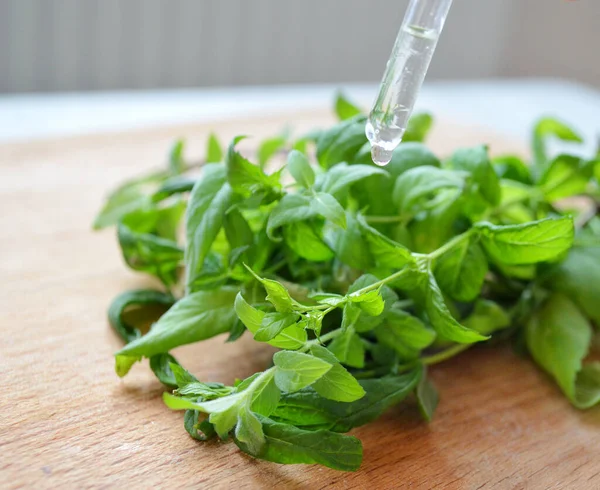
(89, 45)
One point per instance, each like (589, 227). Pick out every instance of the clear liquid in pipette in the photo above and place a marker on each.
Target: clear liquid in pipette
(402, 80)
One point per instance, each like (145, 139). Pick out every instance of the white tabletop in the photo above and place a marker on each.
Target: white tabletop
(507, 106)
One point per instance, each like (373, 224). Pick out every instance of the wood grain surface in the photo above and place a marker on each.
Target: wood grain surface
(67, 421)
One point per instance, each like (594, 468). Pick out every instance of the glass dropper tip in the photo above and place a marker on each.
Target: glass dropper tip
(380, 155)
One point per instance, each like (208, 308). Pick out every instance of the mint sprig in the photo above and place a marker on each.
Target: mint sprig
(360, 276)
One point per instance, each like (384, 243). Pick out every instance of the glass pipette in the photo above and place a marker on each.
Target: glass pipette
(404, 75)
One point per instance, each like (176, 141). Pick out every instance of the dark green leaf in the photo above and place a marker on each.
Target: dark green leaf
(291, 445)
(476, 161)
(427, 397)
(161, 367)
(327, 206)
(296, 370)
(199, 430)
(341, 142)
(461, 271)
(348, 348)
(292, 208)
(385, 251)
(349, 245)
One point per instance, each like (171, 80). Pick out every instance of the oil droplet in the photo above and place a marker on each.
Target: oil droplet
(380, 155)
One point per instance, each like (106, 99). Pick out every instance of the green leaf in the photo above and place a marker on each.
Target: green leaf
(172, 186)
(512, 167)
(487, 317)
(249, 432)
(348, 244)
(427, 397)
(549, 127)
(289, 445)
(578, 276)
(300, 168)
(291, 208)
(364, 322)
(414, 188)
(243, 176)
(177, 163)
(386, 252)
(476, 161)
(341, 142)
(303, 239)
(404, 333)
(418, 127)
(269, 148)
(214, 150)
(371, 302)
(348, 349)
(528, 243)
(461, 271)
(337, 383)
(138, 298)
(341, 176)
(210, 198)
(277, 294)
(558, 337)
(296, 370)
(195, 317)
(291, 338)
(565, 176)
(265, 395)
(327, 206)
(345, 109)
(131, 196)
(587, 386)
(161, 367)
(199, 430)
(308, 409)
(442, 320)
(273, 324)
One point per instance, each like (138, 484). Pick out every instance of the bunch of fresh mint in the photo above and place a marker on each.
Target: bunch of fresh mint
(362, 276)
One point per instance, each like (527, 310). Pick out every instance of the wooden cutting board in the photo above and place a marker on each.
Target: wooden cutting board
(67, 421)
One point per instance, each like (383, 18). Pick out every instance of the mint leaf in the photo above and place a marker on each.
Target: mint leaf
(565, 176)
(348, 244)
(177, 163)
(476, 161)
(273, 324)
(404, 333)
(300, 168)
(214, 150)
(385, 251)
(277, 294)
(558, 337)
(291, 445)
(244, 177)
(487, 317)
(427, 397)
(337, 383)
(296, 370)
(269, 148)
(292, 208)
(528, 243)
(341, 142)
(345, 109)
(371, 302)
(460, 272)
(249, 432)
(327, 206)
(549, 127)
(341, 176)
(303, 239)
(195, 317)
(418, 127)
(348, 349)
(210, 198)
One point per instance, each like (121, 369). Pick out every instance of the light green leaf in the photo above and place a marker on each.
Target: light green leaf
(210, 198)
(345, 109)
(513, 168)
(303, 239)
(418, 127)
(565, 176)
(442, 320)
(348, 244)
(341, 176)
(404, 333)
(386, 252)
(558, 337)
(277, 294)
(477, 162)
(265, 394)
(237, 229)
(291, 208)
(214, 150)
(296, 370)
(348, 349)
(487, 317)
(195, 317)
(371, 302)
(299, 166)
(249, 431)
(337, 383)
(327, 206)
(549, 127)
(244, 177)
(528, 243)
(176, 161)
(273, 324)
(269, 148)
(461, 271)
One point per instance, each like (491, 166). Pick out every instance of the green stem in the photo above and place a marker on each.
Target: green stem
(377, 284)
(450, 245)
(324, 338)
(384, 219)
(445, 354)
